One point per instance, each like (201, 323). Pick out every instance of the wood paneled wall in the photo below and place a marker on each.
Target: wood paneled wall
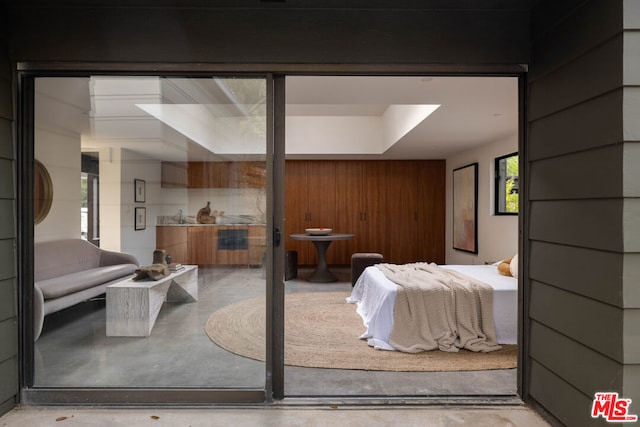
(582, 234)
(8, 290)
(393, 207)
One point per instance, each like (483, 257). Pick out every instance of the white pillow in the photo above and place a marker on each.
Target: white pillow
(513, 267)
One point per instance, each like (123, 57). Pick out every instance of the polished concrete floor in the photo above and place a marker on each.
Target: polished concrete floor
(275, 417)
(74, 351)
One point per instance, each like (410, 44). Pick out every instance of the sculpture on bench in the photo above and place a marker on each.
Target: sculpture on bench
(155, 271)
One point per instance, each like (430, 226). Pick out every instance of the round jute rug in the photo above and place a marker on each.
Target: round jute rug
(322, 330)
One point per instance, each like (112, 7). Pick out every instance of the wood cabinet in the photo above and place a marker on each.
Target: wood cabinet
(174, 175)
(376, 227)
(202, 242)
(310, 203)
(174, 241)
(431, 211)
(350, 208)
(245, 174)
(198, 244)
(205, 175)
(203, 249)
(400, 211)
(213, 174)
(396, 208)
(257, 244)
(296, 206)
(393, 207)
(377, 201)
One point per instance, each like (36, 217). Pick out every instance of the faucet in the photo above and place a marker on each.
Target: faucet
(180, 217)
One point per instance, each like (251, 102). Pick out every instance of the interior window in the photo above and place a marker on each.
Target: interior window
(506, 185)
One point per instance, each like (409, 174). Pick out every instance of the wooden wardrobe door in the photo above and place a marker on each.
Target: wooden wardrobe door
(376, 227)
(431, 211)
(349, 209)
(296, 208)
(400, 211)
(321, 193)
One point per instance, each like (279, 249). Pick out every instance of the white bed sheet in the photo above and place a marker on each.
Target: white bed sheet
(375, 297)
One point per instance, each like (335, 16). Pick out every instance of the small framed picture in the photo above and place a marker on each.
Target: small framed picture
(140, 219)
(140, 191)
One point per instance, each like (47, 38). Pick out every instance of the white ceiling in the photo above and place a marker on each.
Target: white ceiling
(473, 111)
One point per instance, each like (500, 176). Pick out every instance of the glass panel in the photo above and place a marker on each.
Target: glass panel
(161, 179)
(349, 132)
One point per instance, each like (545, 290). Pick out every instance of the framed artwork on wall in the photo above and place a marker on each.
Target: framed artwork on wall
(140, 190)
(465, 208)
(140, 219)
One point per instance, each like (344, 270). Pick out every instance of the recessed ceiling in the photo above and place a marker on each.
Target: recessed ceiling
(472, 111)
(326, 116)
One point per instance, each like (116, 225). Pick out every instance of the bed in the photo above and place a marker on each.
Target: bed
(375, 295)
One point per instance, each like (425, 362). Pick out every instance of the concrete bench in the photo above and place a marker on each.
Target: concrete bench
(133, 306)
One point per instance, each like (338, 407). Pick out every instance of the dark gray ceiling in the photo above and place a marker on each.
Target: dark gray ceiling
(302, 4)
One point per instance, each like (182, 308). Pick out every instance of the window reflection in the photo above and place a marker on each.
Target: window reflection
(191, 141)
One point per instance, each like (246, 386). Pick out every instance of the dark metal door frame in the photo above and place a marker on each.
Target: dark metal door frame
(275, 79)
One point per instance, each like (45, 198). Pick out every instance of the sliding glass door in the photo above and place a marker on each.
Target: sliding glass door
(178, 192)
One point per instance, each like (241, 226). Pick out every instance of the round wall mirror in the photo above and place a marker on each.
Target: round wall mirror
(42, 192)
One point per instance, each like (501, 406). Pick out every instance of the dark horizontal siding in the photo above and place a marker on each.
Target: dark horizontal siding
(7, 190)
(565, 402)
(8, 233)
(595, 73)
(6, 99)
(9, 340)
(580, 127)
(7, 213)
(590, 322)
(563, 30)
(581, 271)
(6, 147)
(579, 218)
(8, 299)
(579, 175)
(549, 348)
(8, 334)
(9, 376)
(592, 223)
(7, 259)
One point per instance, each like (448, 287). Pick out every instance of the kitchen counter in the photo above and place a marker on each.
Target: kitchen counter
(199, 244)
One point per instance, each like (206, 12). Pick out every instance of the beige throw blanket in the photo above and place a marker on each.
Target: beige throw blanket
(440, 309)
